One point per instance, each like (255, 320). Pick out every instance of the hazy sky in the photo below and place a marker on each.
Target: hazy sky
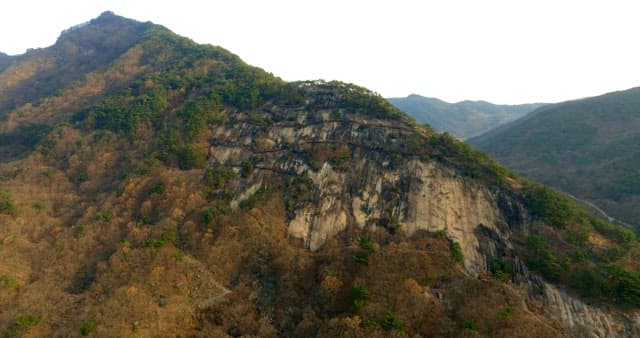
(507, 51)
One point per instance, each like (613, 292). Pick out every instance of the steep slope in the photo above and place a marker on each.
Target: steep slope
(202, 197)
(588, 148)
(463, 119)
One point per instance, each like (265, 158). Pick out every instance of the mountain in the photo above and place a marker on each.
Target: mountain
(5, 60)
(463, 119)
(170, 189)
(587, 147)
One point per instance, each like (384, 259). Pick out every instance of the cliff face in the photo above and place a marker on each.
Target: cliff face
(585, 320)
(364, 187)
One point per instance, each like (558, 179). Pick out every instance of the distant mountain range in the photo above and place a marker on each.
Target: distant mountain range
(589, 148)
(463, 119)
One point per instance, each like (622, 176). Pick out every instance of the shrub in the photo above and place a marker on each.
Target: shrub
(540, 258)
(157, 188)
(207, 216)
(588, 282)
(104, 216)
(191, 157)
(361, 258)
(178, 256)
(7, 205)
(578, 237)
(502, 270)
(358, 294)
(507, 311)
(366, 249)
(470, 324)
(612, 254)
(366, 245)
(27, 321)
(88, 326)
(390, 322)
(39, 205)
(21, 325)
(456, 251)
(215, 178)
(166, 238)
(627, 287)
(9, 282)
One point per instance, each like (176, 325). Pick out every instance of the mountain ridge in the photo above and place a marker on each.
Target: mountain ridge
(464, 119)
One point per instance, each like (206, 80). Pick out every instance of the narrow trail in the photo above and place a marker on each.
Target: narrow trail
(593, 206)
(598, 210)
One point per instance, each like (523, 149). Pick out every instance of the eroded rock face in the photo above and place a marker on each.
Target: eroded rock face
(436, 200)
(585, 320)
(400, 194)
(367, 181)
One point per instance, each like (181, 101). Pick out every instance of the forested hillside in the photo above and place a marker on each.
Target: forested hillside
(589, 148)
(152, 186)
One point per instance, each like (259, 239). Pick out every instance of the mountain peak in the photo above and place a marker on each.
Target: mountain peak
(79, 50)
(106, 36)
(109, 23)
(111, 17)
(107, 14)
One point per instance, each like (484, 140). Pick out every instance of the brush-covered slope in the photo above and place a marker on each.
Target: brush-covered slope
(463, 119)
(173, 190)
(589, 148)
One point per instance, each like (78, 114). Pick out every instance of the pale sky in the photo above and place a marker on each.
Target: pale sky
(506, 51)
